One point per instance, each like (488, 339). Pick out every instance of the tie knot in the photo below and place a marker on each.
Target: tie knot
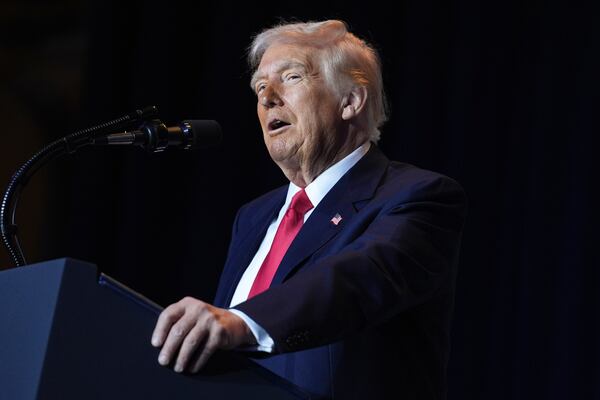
(301, 203)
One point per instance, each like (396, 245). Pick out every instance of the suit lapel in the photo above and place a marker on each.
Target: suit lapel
(251, 237)
(345, 199)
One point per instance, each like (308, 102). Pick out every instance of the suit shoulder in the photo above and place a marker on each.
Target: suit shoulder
(408, 178)
(264, 199)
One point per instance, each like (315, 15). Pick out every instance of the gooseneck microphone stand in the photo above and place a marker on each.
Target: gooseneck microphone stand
(67, 145)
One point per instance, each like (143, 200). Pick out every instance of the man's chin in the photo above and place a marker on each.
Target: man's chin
(282, 159)
(281, 150)
(285, 160)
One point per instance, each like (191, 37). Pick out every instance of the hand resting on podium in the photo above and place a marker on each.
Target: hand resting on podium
(190, 331)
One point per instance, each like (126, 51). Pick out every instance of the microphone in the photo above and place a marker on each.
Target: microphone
(154, 136)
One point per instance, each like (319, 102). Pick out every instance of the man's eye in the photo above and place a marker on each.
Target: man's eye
(291, 77)
(260, 88)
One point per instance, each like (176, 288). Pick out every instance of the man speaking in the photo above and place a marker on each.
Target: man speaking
(343, 279)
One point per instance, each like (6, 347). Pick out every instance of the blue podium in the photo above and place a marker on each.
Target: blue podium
(68, 333)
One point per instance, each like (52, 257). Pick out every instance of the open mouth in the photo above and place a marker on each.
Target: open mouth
(277, 124)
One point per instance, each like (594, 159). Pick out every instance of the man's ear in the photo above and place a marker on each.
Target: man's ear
(354, 102)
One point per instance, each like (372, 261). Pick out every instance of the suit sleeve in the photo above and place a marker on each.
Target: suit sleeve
(404, 257)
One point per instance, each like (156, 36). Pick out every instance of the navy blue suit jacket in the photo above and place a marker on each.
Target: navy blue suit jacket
(360, 309)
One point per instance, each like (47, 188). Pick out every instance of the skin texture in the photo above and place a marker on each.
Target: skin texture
(323, 126)
(190, 331)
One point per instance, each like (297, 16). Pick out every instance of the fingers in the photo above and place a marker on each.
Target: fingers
(178, 333)
(190, 331)
(167, 318)
(214, 342)
(189, 347)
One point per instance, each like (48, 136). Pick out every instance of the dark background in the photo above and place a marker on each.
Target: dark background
(501, 96)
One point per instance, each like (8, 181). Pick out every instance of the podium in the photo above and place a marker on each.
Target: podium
(68, 333)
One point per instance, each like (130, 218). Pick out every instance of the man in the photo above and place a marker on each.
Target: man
(346, 275)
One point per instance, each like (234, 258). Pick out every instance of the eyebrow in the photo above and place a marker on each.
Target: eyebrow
(284, 65)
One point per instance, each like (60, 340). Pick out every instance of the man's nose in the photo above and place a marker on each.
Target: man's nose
(270, 97)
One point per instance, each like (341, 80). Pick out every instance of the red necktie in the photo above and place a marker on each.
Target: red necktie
(286, 232)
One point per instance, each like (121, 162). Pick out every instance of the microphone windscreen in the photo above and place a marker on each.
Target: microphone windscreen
(205, 133)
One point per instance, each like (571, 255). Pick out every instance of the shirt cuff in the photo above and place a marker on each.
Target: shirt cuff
(264, 340)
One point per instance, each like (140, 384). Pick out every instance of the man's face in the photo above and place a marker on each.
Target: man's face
(299, 113)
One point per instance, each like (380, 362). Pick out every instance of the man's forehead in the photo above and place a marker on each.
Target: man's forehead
(276, 68)
(280, 65)
(278, 58)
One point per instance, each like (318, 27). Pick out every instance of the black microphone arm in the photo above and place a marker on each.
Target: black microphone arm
(144, 131)
(154, 136)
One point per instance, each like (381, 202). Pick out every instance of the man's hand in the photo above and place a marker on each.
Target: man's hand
(192, 330)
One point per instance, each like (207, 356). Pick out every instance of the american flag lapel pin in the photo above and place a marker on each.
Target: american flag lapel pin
(337, 218)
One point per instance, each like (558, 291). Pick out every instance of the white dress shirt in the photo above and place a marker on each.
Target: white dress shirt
(315, 191)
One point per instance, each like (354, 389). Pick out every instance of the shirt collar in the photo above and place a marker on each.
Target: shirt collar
(323, 183)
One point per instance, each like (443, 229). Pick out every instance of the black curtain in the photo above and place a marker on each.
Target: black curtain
(503, 97)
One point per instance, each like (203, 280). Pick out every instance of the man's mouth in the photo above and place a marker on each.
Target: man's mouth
(276, 125)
